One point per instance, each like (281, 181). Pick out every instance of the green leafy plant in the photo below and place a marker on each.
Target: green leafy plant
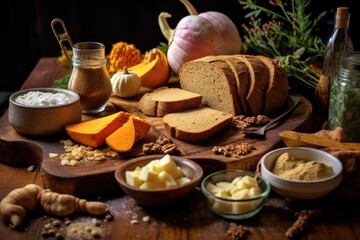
(284, 30)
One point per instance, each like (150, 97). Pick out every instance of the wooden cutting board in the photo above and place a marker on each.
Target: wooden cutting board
(82, 179)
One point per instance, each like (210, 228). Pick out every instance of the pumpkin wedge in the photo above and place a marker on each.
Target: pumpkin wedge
(154, 71)
(123, 139)
(93, 133)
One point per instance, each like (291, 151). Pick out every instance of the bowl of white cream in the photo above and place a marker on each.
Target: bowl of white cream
(43, 111)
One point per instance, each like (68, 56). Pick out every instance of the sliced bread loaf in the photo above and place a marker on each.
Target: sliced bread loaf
(214, 80)
(260, 85)
(168, 100)
(196, 125)
(277, 90)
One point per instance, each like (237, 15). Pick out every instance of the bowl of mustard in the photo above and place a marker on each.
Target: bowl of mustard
(301, 173)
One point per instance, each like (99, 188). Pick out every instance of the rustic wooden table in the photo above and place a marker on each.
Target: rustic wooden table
(190, 219)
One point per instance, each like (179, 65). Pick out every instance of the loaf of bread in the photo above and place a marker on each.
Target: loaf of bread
(168, 100)
(196, 125)
(214, 81)
(237, 84)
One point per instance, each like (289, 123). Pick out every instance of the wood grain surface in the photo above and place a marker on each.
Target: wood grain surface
(188, 219)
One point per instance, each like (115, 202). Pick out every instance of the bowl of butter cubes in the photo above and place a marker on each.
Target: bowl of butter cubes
(235, 194)
(158, 180)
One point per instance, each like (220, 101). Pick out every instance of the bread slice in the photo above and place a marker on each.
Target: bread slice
(277, 91)
(259, 78)
(242, 76)
(168, 100)
(214, 80)
(196, 125)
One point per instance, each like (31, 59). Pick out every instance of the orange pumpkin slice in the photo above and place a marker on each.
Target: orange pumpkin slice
(123, 139)
(154, 71)
(93, 133)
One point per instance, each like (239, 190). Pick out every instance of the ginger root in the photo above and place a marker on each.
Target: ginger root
(20, 201)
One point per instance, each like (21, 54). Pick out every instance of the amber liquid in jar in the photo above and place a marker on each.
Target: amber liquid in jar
(90, 78)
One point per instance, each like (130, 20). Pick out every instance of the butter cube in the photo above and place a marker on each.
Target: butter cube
(147, 175)
(226, 186)
(236, 180)
(213, 188)
(167, 179)
(168, 165)
(249, 182)
(147, 185)
(242, 194)
(153, 166)
(254, 191)
(132, 178)
(182, 180)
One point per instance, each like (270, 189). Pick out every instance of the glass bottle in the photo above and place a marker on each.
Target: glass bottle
(344, 105)
(89, 77)
(338, 44)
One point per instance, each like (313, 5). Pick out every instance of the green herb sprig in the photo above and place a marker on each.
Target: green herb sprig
(285, 31)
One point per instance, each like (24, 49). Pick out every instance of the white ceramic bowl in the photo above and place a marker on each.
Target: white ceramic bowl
(301, 189)
(43, 120)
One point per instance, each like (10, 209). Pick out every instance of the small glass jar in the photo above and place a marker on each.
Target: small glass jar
(344, 107)
(89, 77)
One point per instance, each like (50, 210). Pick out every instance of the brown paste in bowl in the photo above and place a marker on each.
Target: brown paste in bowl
(286, 166)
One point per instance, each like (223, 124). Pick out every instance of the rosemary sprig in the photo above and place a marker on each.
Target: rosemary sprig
(286, 32)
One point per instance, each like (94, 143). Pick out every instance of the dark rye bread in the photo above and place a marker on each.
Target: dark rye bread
(277, 90)
(259, 79)
(196, 125)
(214, 81)
(168, 100)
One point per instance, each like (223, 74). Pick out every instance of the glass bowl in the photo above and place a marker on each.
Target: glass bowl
(235, 209)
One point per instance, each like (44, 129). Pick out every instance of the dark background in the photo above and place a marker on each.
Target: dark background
(27, 35)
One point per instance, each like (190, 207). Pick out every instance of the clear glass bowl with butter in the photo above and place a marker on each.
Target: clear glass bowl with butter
(235, 194)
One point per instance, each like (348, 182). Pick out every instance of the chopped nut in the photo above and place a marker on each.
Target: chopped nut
(152, 148)
(146, 219)
(234, 150)
(237, 231)
(134, 221)
(162, 140)
(241, 122)
(31, 168)
(75, 153)
(52, 155)
(170, 148)
(262, 119)
(161, 145)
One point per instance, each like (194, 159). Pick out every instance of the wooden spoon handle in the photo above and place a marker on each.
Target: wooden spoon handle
(292, 139)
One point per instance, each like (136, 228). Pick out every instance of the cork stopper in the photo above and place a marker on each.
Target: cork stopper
(342, 17)
(342, 10)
